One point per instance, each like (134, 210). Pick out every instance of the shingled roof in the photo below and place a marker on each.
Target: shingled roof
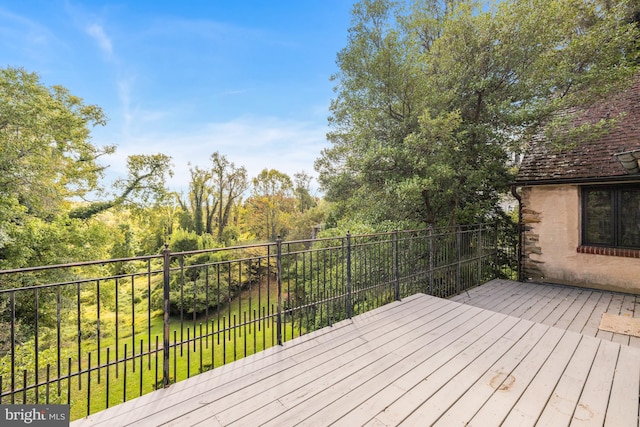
(592, 159)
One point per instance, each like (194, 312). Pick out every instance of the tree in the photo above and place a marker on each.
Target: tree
(145, 184)
(212, 195)
(200, 194)
(302, 182)
(48, 163)
(46, 155)
(46, 158)
(272, 201)
(431, 96)
(230, 182)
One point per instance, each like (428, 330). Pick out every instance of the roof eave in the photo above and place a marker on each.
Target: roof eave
(586, 180)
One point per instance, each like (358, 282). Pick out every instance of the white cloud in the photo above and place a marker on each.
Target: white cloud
(104, 42)
(253, 142)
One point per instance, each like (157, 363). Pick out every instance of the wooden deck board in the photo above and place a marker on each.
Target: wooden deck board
(247, 371)
(421, 361)
(428, 385)
(561, 406)
(515, 382)
(496, 366)
(532, 402)
(315, 363)
(362, 367)
(565, 307)
(592, 406)
(626, 386)
(470, 342)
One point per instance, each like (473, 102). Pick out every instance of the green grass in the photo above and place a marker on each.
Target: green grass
(248, 330)
(210, 347)
(186, 360)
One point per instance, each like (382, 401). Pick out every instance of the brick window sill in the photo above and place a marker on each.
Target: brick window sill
(599, 250)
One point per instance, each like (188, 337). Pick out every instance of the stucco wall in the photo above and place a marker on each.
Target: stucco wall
(551, 236)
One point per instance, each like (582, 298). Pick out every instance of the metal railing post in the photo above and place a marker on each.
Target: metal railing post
(431, 260)
(349, 303)
(13, 347)
(166, 259)
(480, 258)
(496, 248)
(279, 282)
(459, 263)
(396, 264)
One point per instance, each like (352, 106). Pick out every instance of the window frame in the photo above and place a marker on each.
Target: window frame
(615, 195)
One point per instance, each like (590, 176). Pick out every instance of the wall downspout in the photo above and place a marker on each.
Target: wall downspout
(518, 197)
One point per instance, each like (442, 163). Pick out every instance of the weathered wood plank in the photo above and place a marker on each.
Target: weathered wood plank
(521, 306)
(532, 402)
(635, 341)
(437, 370)
(428, 385)
(494, 288)
(592, 405)
(191, 394)
(505, 300)
(591, 327)
(494, 368)
(586, 311)
(625, 389)
(573, 308)
(306, 378)
(515, 382)
(561, 406)
(549, 304)
(614, 308)
(626, 310)
(415, 352)
(536, 300)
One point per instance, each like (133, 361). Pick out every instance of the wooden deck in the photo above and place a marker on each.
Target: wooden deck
(571, 308)
(421, 361)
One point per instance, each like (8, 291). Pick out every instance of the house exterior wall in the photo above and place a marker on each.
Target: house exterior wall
(551, 238)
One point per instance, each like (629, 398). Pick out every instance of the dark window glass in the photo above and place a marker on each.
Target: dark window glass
(611, 216)
(599, 217)
(630, 218)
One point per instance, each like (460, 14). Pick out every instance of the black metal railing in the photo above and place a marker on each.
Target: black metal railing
(95, 334)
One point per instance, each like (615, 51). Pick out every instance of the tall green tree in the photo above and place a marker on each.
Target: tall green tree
(48, 163)
(46, 154)
(46, 159)
(213, 192)
(229, 183)
(200, 199)
(432, 96)
(273, 202)
(305, 200)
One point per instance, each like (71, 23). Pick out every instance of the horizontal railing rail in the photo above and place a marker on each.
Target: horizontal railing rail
(95, 334)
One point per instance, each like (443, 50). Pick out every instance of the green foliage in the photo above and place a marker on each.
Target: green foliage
(272, 204)
(48, 163)
(45, 158)
(431, 97)
(182, 241)
(39, 242)
(213, 193)
(45, 150)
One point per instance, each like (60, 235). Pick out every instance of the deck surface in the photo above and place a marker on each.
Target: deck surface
(571, 308)
(422, 361)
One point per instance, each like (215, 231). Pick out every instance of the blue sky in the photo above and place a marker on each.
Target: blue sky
(249, 79)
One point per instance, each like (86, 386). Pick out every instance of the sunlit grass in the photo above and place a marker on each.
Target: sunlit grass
(242, 327)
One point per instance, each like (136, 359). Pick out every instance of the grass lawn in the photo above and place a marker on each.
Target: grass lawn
(243, 327)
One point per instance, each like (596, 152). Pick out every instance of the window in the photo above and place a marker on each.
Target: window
(611, 216)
